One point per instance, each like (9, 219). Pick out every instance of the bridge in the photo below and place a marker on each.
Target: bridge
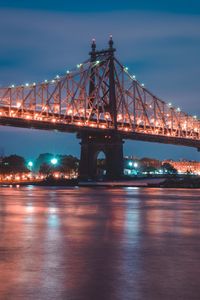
(103, 104)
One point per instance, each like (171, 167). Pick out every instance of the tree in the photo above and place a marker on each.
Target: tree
(45, 169)
(169, 169)
(13, 164)
(68, 164)
(44, 158)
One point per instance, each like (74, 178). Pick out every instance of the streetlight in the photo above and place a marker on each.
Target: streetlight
(130, 163)
(30, 165)
(54, 161)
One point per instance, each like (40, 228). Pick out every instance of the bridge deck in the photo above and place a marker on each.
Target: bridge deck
(76, 126)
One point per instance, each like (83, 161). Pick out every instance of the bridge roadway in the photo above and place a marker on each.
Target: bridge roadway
(76, 125)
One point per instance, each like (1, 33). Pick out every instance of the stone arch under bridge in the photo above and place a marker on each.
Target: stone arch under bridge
(91, 145)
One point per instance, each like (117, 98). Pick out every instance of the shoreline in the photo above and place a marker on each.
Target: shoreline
(182, 182)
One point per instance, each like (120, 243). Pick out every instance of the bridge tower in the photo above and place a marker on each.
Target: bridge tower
(93, 143)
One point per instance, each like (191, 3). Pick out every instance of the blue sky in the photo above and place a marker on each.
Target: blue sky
(174, 6)
(158, 40)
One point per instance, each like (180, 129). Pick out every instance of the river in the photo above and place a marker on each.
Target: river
(99, 244)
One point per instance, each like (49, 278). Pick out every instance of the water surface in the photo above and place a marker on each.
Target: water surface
(99, 244)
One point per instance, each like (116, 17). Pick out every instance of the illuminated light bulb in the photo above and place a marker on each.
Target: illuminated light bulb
(34, 83)
(195, 117)
(57, 76)
(67, 72)
(142, 84)
(170, 104)
(12, 85)
(130, 163)
(46, 81)
(54, 161)
(27, 84)
(126, 68)
(53, 81)
(30, 164)
(119, 117)
(69, 111)
(18, 104)
(97, 62)
(178, 109)
(133, 77)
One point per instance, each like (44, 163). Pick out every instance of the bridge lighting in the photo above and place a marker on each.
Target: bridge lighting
(178, 109)
(142, 84)
(170, 104)
(54, 161)
(67, 72)
(135, 165)
(133, 77)
(18, 104)
(46, 81)
(126, 68)
(12, 86)
(195, 117)
(79, 65)
(57, 76)
(27, 84)
(70, 111)
(97, 62)
(102, 126)
(53, 81)
(34, 83)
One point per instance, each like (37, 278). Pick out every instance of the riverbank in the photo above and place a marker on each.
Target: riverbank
(185, 182)
(161, 182)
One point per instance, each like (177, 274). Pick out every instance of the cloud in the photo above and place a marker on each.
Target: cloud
(163, 49)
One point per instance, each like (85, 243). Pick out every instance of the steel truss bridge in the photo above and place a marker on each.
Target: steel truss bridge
(101, 102)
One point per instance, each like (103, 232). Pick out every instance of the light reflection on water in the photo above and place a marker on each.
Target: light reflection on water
(81, 243)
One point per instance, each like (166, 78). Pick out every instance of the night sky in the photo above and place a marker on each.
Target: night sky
(158, 40)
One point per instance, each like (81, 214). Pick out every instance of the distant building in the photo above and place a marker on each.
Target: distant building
(184, 166)
(150, 162)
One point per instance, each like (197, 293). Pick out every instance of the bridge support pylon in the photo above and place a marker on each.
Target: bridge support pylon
(110, 145)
